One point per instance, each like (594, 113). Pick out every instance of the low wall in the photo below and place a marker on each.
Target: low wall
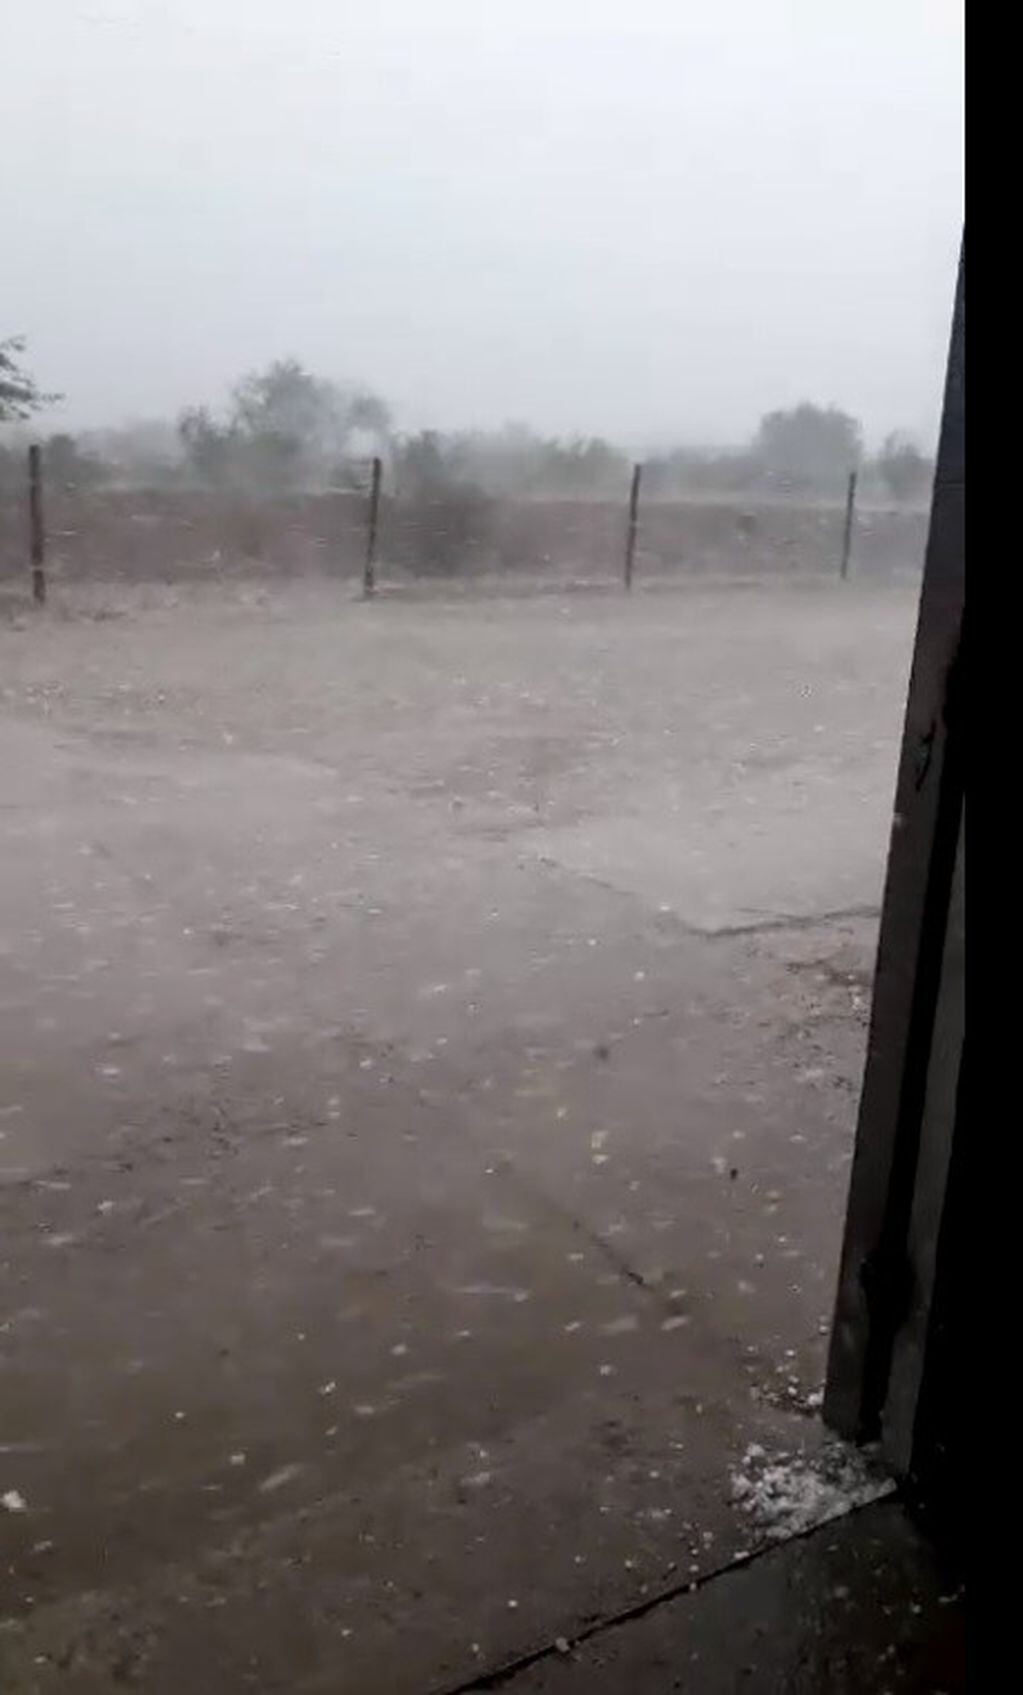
(109, 534)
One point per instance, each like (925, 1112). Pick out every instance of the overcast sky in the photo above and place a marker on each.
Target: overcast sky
(653, 219)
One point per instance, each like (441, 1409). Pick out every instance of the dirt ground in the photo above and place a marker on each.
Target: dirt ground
(431, 1032)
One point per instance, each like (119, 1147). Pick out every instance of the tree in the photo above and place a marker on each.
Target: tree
(905, 471)
(448, 514)
(69, 465)
(19, 394)
(422, 465)
(296, 421)
(207, 444)
(285, 427)
(586, 466)
(142, 453)
(514, 460)
(808, 445)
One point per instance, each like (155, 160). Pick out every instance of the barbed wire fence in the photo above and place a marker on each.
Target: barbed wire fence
(389, 535)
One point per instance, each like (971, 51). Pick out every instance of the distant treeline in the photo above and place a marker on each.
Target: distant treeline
(286, 430)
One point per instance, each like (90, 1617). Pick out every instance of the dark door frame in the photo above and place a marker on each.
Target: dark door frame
(901, 1250)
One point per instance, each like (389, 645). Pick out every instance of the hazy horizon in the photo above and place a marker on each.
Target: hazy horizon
(653, 231)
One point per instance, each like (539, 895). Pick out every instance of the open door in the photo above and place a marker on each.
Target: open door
(895, 1357)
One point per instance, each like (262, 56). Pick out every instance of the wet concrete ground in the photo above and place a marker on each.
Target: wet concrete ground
(421, 1182)
(860, 1605)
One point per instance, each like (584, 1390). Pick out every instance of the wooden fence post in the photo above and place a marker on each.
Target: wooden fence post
(37, 534)
(369, 579)
(630, 536)
(850, 509)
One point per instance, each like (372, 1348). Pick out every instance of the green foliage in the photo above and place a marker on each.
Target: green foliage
(808, 446)
(514, 461)
(20, 395)
(67, 465)
(285, 428)
(446, 513)
(207, 445)
(905, 471)
(425, 464)
(686, 471)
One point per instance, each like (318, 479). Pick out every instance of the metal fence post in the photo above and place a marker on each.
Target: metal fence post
(37, 534)
(850, 509)
(369, 579)
(630, 536)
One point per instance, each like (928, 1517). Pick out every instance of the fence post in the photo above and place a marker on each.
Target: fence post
(630, 537)
(37, 534)
(850, 509)
(369, 578)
